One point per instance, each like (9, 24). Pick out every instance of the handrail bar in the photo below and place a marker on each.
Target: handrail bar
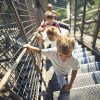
(14, 65)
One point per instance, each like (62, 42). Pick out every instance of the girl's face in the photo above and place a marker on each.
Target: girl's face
(49, 21)
(63, 57)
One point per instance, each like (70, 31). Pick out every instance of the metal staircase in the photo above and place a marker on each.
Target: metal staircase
(22, 75)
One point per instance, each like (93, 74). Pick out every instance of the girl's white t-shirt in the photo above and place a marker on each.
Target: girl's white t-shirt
(59, 66)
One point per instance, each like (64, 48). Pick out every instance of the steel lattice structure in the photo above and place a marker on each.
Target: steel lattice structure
(19, 19)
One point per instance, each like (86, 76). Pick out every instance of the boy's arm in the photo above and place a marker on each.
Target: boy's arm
(73, 76)
(42, 26)
(33, 49)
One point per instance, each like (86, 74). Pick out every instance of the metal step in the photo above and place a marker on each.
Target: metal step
(86, 79)
(85, 60)
(90, 67)
(91, 92)
(82, 54)
(79, 50)
(86, 68)
(77, 46)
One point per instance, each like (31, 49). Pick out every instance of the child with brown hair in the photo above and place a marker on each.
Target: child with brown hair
(50, 9)
(49, 21)
(50, 36)
(62, 60)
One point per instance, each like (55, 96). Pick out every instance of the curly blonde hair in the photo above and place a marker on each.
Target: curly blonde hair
(52, 32)
(65, 44)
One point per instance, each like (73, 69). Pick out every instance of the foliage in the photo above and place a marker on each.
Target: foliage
(61, 14)
(4, 8)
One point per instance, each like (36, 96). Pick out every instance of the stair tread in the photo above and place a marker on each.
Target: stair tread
(91, 92)
(86, 79)
(82, 54)
(80, 50)
(84, 60)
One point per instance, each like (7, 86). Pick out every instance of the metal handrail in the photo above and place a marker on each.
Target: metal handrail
(14, 65)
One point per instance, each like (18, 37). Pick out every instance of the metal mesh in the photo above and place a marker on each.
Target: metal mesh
(26, 79)
(91, 92)
(28, 14)
(86, 93)
(80, 50)
(18, 20)
(87, 79)
(77, 46)
(85, 60)
(10, 39)
(85, 68)
(82, 54)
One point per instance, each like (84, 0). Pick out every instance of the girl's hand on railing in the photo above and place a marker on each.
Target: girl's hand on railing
(40, 37)
(33, 49)
(26, 46)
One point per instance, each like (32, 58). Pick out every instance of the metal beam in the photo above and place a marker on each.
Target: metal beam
(17, 18)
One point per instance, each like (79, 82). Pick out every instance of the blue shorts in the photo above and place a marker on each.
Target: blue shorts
(62, 80)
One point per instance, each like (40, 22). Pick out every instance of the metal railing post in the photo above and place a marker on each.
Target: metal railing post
(38, 5)
(83, 19)
(17, 18)
(75, 16)
(97, 28)
(70, 13)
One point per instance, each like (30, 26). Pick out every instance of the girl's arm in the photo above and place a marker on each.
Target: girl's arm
(33, 49)
(40, 37)
(73, 76)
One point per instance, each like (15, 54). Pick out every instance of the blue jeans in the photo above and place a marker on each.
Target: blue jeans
(64, 95)
(62, 80)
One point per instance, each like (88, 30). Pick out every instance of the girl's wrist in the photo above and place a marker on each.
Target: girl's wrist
(28, 46)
